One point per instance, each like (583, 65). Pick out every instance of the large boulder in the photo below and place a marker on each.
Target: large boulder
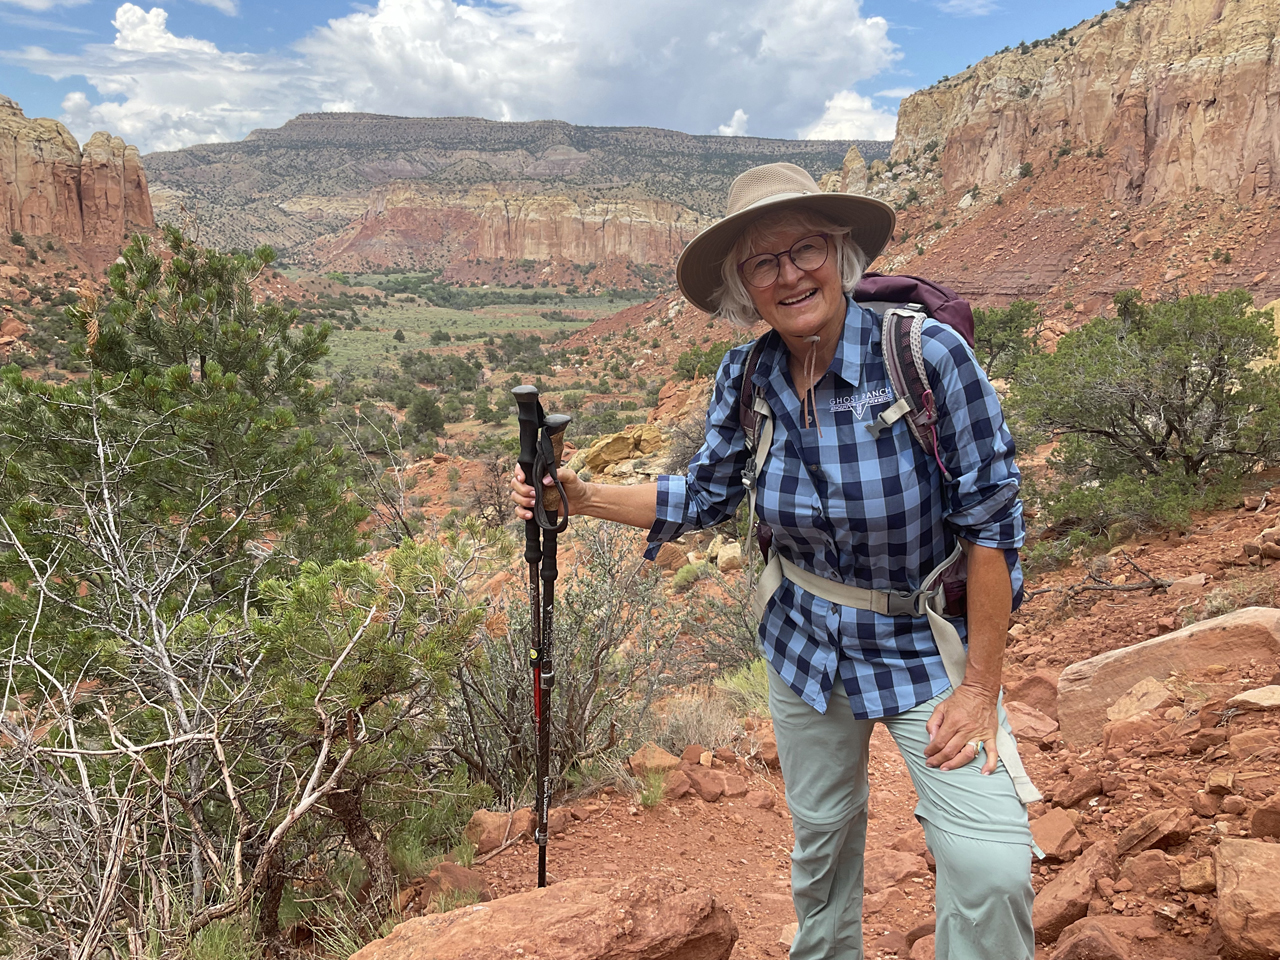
(1088, 688)
(1066, 898)
(634, 441)
(1249, 899)
(585, 919)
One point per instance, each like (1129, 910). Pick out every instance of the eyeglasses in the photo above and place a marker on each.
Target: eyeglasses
(807, 254)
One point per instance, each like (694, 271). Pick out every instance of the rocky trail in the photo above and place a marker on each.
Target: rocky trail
(1159, 825)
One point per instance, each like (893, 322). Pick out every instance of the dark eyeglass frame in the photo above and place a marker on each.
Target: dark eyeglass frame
(789, 252)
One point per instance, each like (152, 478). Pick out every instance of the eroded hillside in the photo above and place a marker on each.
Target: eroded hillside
(383, 191)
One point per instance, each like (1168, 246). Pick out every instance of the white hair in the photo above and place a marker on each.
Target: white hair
(733, 301)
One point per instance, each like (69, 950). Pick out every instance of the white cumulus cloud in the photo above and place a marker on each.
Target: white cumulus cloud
(665, 63)
(895, 93)
(851, 116)
(737, 125)
(162, 91)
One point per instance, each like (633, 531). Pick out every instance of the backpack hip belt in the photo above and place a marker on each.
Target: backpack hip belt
(918, 603)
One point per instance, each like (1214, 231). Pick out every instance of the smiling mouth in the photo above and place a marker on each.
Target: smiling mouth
(807, 295)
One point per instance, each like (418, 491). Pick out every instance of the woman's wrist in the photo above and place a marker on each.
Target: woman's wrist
(985, 689)
(587, 501)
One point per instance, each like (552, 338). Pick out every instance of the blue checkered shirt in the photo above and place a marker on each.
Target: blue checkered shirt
(872, 512)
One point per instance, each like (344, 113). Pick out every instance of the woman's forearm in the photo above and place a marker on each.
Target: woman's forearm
(636, 505)
(990, 601)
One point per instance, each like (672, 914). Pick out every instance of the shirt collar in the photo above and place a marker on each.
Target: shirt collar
(860, 331)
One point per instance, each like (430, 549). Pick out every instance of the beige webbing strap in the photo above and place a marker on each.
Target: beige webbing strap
(953, 661)
(763, 441)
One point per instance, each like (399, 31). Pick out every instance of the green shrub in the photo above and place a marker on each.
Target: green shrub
(688, 575)
(696, 362)
(1157, 411)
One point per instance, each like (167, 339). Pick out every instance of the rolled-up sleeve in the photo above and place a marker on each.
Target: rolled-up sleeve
(981, 500)
(712, 490)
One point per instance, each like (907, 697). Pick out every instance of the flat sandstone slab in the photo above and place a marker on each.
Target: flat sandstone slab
(1086, 689)
(583, 919)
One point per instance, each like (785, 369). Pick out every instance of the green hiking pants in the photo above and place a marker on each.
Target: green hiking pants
(975, 827)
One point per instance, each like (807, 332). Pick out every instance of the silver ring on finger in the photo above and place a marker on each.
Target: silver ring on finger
(977, 746)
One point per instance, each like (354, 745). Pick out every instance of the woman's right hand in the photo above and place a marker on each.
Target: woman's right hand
(575, 491)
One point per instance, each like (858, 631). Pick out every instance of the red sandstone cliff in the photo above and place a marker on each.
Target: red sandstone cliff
(414, 222)
(1181, 94)
(49, 186)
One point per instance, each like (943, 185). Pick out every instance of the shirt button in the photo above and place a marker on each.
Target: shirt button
(813, 467)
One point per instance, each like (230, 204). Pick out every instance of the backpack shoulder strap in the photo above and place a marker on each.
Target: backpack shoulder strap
(747, 415)
(756, 418)
(900, 337)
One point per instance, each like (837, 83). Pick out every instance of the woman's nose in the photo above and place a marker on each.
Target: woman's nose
(788, 272)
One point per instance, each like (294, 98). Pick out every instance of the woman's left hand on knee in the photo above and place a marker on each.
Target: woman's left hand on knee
(958, 722)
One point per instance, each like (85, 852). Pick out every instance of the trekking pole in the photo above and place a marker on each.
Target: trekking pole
(541, 448)
(547, 509)
(530, 419)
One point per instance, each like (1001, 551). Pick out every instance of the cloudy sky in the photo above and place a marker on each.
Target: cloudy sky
(192, 71)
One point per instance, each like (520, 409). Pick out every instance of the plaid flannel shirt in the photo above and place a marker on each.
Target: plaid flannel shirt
(848, 506)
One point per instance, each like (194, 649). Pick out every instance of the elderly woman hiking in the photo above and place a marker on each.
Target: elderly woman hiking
(861, 514)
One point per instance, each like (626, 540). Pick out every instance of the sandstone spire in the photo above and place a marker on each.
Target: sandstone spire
(49, 187)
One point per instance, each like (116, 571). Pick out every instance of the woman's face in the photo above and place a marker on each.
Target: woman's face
(800, 303)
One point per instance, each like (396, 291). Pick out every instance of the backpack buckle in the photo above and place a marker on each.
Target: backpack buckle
(904, 603)
(749, 475)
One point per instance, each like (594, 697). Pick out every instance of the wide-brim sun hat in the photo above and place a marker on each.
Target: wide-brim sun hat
(765, 189)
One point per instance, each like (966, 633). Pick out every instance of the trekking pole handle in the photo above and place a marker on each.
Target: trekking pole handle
(554, 428)
(530, 418)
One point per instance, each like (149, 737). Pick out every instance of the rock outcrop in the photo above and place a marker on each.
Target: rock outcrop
(851, 177)
(1248, 899)
(587, 919)
(1181, 94)
(417, 222)
(1088, 688)
(113, 190)
(50, 187)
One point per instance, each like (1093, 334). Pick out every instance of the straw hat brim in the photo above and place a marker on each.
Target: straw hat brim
(698, 271)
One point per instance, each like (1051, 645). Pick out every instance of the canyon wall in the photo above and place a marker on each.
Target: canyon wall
(49, 186)
(1181, 95)
(409, 221)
